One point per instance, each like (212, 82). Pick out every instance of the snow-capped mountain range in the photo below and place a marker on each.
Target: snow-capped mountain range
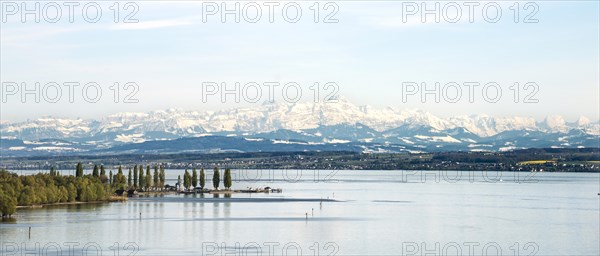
(316, 123)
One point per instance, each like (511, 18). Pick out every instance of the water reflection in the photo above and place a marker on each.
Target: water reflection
(371, 216)
(7, 220)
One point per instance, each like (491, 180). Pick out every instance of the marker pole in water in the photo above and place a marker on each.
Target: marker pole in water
(140, 215)
(313, 212)
(29, 233)
(306, 215)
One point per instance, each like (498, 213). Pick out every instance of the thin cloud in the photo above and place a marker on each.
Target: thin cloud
(155, 24)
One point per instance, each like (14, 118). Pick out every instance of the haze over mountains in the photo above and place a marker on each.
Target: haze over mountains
(291, 127)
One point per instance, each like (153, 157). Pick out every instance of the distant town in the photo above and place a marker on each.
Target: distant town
(527, 160)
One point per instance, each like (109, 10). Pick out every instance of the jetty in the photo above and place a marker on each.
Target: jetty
(228, 191)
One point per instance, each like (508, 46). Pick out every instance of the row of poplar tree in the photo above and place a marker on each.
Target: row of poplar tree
(193, 180)
(135, 179)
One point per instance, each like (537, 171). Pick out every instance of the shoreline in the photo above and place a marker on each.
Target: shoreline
(116, 198)
(112, 199)
(563, 160)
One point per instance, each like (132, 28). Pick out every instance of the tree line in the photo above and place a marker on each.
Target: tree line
(193, 180)
(53, 187)
(136, 179)
(49, 188)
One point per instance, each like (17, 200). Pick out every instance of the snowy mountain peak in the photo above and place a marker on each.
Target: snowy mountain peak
(554, 123)
(582, 121)
(176, 123)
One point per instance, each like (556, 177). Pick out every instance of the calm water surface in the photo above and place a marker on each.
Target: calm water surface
(374, 213)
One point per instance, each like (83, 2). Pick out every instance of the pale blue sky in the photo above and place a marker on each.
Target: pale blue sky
(368, 53)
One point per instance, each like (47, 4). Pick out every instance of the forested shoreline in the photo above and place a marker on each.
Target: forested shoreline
(98, 186)
(48, 188)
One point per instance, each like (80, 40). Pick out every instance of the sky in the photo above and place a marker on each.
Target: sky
(369, 52)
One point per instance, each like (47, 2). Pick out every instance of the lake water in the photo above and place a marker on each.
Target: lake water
(374, 213)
